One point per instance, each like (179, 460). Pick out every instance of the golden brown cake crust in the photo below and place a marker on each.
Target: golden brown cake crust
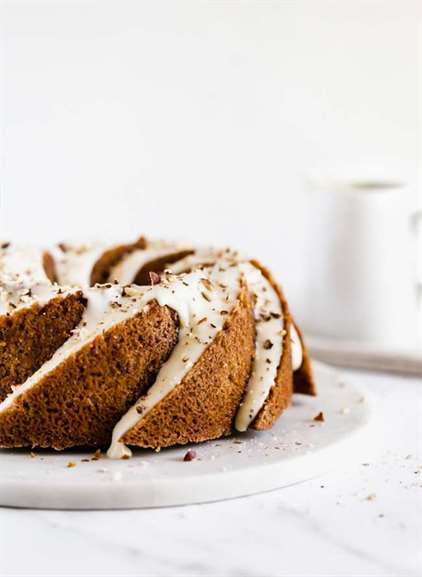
(281, 392)
(204, 404)
(102, 268)
(79, 402)
(303, 378)
(30, 337)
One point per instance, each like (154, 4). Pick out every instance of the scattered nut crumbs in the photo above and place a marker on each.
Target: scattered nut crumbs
(190, 455)
(319, 417)
(155, 278)
(207, 283)
(97, 455)
(71, 464)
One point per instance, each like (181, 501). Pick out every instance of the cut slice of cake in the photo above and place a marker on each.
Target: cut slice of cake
(198, 390)
(77, 396)
(36, 317)
(270, 386)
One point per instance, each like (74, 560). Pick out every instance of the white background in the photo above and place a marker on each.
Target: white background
(199, 119)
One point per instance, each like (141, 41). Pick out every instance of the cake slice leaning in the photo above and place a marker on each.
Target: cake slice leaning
(303, 380)
(198, 390)
(77, 396)
(270, 387)
(36, 317)
(281, 363)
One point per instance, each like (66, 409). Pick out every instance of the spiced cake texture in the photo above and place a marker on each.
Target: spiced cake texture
(82, 398)
(204, 404)
(30, 336)
(78, 403)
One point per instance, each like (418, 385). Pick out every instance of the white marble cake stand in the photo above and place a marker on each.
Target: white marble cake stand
(296, 449)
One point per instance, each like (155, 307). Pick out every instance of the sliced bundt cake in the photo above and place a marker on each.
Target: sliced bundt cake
(208, 347)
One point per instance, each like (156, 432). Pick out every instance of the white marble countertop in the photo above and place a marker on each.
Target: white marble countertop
(363, 521)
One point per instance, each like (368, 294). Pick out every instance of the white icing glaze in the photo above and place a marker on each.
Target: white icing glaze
(268, 348)
(125, 271)
(23, 281)
(21, 264)
(106, 307)
(204, 257)
(74, 266)
(202, 300)
(16, 297)
(297, 352)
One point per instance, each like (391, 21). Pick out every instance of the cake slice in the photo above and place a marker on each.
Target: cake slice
(303, 380)
(197, 391)
(270, 386)
(77, 396)
(36, 317)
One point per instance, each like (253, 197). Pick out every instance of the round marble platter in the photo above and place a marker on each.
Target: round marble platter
(298, 448)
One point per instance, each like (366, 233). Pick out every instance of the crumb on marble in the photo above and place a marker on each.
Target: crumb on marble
(190, 455)
(97, 455)
(371, 497)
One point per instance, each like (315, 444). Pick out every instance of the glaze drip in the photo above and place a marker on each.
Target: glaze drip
(268, 347)
(23, 281)
(202, 300)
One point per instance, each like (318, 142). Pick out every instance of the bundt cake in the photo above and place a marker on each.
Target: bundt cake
(147, 344)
